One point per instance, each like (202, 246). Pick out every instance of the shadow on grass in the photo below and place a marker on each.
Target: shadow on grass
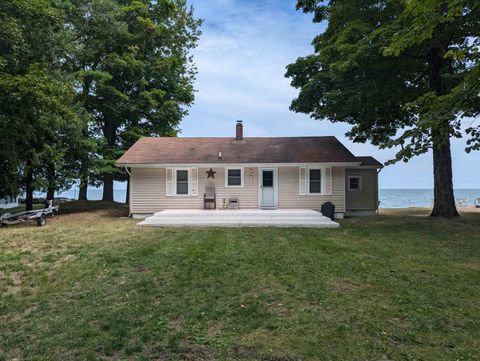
(113, 209)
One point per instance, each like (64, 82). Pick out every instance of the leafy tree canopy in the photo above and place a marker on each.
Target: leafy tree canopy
(135, 72)
(82, 80)
(39, 116)
(402, 73)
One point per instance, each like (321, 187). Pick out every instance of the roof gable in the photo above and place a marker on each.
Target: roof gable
(368, 161)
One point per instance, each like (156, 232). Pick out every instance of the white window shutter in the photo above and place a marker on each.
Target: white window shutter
(302, 181)
(328, 180)
(194, 181)
(169, 182)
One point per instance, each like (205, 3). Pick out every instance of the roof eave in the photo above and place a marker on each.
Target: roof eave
(224, 164)
(360, 166)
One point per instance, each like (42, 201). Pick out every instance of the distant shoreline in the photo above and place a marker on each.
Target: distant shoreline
(389, 197)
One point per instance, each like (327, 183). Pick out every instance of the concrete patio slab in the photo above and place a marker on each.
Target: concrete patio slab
(239, 218)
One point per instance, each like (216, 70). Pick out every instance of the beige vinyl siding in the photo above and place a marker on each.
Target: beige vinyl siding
(288, 190)
(148, 188)
(366, 198)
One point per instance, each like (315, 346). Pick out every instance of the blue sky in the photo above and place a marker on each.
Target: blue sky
(241, 61)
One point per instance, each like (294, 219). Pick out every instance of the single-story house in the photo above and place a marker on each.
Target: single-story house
(249, 172)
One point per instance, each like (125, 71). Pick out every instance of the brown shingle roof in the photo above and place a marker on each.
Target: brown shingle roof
(166, 150)
(369, 161)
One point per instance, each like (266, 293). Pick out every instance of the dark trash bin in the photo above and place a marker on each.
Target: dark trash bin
(328, 210)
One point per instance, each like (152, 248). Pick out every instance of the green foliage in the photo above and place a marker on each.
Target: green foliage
(44, 121)
(400, 72)
(9, 159)
(134, 69)
(82, 80)
(40, 118)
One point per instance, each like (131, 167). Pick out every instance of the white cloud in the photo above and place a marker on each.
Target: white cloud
(241, 60)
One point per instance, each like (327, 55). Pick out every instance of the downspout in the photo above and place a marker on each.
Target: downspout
(378, 191)
(130, 193)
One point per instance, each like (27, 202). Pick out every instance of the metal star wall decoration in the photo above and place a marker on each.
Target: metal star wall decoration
(211, 173)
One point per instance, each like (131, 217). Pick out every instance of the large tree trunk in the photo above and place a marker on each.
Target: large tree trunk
(28, 190)
(82, 194)
(444, 201)
(51, 182)
(109, 132)
(50, 194)
(107, 187)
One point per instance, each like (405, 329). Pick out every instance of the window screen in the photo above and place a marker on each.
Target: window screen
(234, 177)
(182, 181)
(315, 181)
(354, 183)
(267, 178)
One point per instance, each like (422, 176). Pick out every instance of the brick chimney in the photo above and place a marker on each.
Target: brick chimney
(239, 130)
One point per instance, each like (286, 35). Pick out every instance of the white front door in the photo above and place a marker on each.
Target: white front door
(267, 187)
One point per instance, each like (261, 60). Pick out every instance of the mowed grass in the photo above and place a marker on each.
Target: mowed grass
(90, 285)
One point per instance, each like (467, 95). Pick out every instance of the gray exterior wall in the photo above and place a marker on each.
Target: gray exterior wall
(366, 200)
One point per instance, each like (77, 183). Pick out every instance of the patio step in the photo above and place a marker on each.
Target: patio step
(239, 218)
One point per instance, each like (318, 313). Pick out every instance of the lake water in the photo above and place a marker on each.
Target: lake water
(389, 198)
(405, 198)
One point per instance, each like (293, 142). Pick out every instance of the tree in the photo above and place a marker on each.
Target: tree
(39, 115)
(9, 160)
(96, 26)
(45, 125)
(135, 72)
(402, 73)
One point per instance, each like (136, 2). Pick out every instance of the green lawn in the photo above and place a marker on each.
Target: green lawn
(93, 286)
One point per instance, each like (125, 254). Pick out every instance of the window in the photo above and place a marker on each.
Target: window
(315, 184)
(182, 182)
(234, 177)
(267, 178)
(354, 183)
